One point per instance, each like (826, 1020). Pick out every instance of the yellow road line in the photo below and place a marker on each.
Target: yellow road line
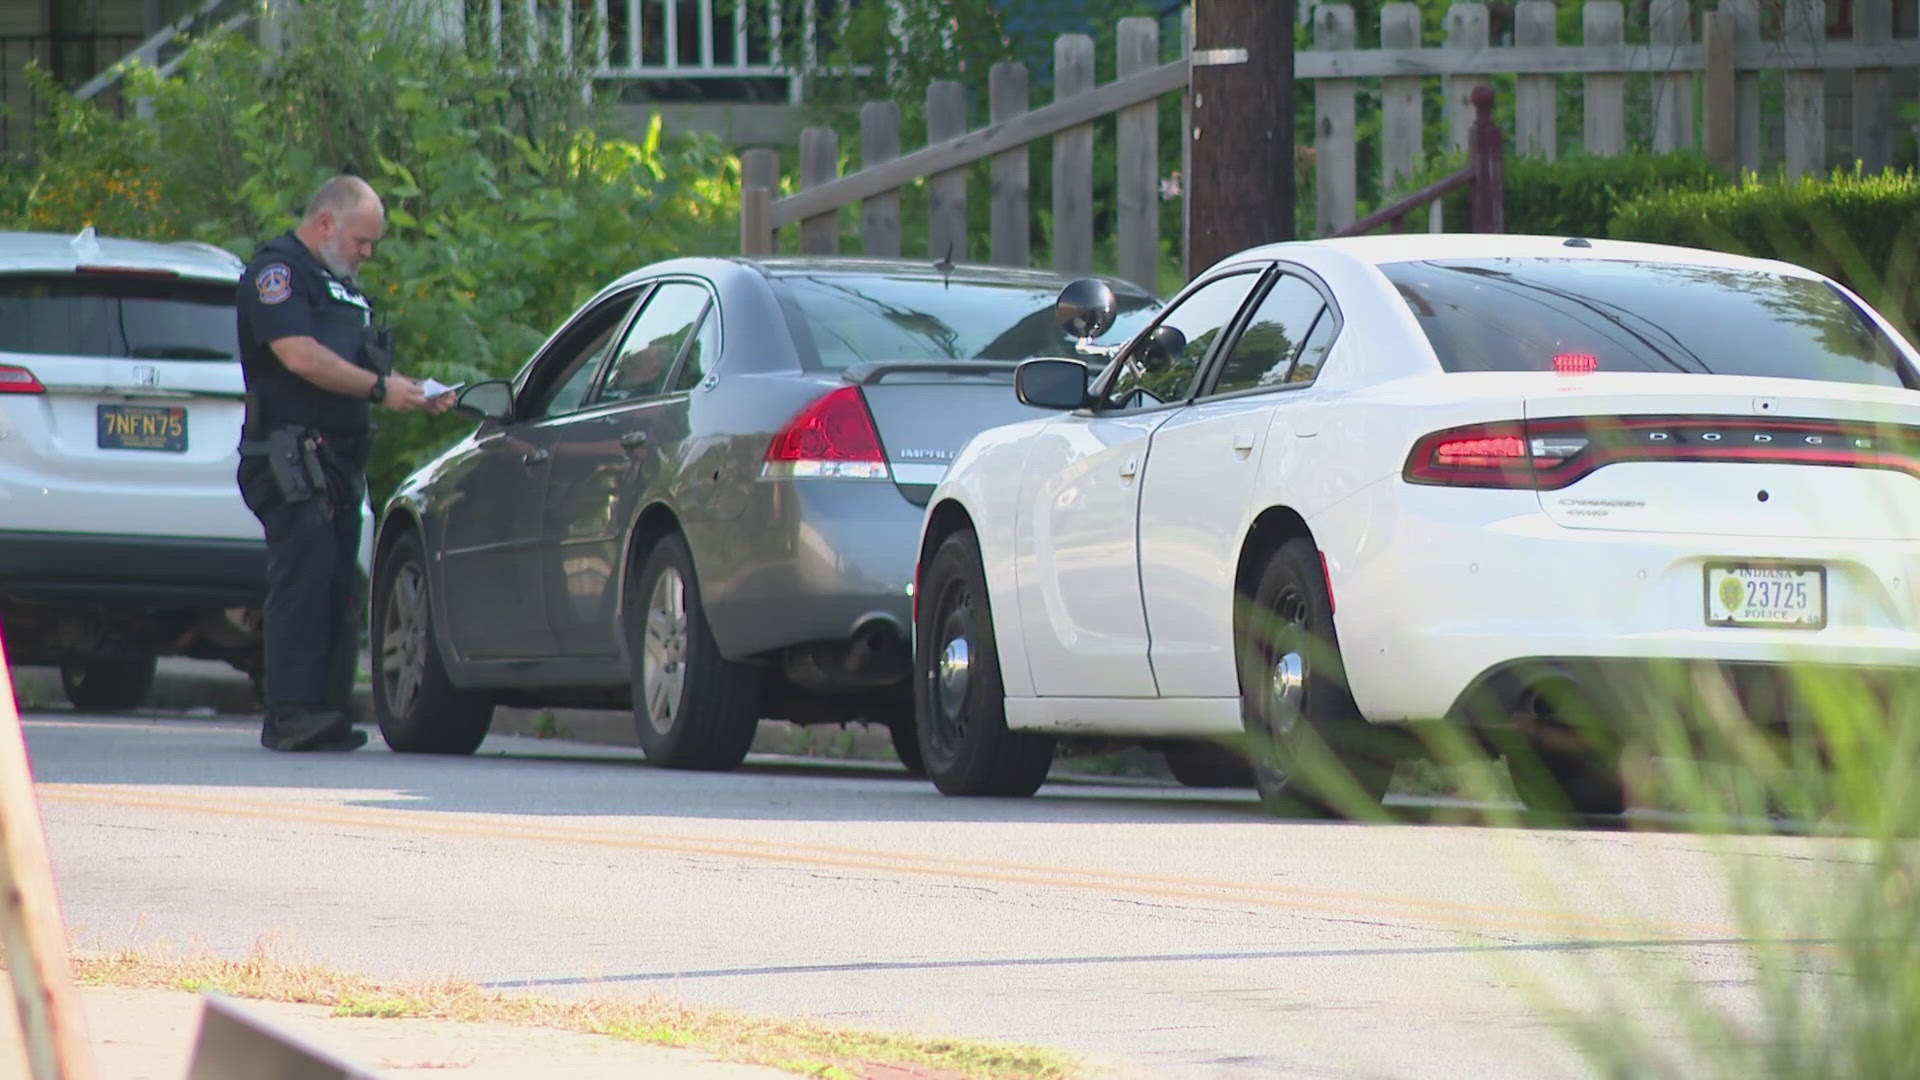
(1447, 913)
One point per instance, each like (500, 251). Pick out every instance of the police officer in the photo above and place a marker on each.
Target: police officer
(316, 359)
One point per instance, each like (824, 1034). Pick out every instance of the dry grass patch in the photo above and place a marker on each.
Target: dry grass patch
(797, 1046)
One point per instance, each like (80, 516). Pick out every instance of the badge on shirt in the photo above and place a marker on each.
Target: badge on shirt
(274, 283)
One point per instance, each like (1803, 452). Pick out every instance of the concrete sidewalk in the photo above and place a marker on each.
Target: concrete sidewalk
(151, 1034)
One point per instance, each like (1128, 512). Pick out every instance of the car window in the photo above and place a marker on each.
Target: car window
(1578, 315)
(1160, 365)
(842, 319)
(644, 360)
(702, 354)
(110, 316)
(1313, 351)
(563, 374)
(1264, 354)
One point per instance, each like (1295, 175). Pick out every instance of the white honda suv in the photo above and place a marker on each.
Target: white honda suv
(122, 533)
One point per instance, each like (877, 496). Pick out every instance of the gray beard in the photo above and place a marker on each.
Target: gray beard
(335, 265)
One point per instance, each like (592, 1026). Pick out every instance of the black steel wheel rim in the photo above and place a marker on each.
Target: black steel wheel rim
(949, 669)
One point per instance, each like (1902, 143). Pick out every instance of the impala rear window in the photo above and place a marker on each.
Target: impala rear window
(1576, 316)
(118, 316)
(842, 319)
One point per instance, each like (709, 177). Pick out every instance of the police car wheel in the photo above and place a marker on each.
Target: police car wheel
(959, 698)
(419, 709)
(692, 707)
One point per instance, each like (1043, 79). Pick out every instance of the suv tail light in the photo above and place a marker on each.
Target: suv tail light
(834, 436)
(18, 380)
(1551, 454)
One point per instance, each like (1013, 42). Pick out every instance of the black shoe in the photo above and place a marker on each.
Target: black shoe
(298, 728)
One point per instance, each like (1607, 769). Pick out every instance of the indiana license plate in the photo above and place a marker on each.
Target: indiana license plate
(1750, 594)
(143, 427)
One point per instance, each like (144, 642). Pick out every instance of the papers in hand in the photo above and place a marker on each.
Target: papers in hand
(434, 387)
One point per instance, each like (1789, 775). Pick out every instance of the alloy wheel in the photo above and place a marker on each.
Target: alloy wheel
(403, 653)
(664, 659)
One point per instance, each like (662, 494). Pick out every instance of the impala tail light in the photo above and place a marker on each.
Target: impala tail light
(833, 437)
(18, 380)
(1552, 453)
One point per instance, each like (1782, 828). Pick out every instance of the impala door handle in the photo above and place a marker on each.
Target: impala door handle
(633, 440)
(536, 457)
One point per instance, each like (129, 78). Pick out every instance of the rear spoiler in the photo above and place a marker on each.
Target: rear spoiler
(872, 372)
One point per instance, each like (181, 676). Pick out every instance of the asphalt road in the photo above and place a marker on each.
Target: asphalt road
(1156, 931)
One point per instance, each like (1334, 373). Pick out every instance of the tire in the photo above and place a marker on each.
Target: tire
(1207, 765)
(119, 681)
(419, 709)
(1309, 748)
(959, 700)
(906, 742)
(692, 707)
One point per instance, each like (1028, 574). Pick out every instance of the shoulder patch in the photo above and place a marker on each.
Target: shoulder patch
(274, 283)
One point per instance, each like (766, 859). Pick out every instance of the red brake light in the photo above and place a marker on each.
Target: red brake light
(834, 436)
(1576, 363)
(1492, 455)
(18, 380)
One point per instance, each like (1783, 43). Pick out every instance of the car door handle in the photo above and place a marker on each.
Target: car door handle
(536, 457)
(1129, 468)
(1242, 445)
(633, 440)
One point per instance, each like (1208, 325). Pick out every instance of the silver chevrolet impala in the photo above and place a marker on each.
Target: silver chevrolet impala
(701, 497)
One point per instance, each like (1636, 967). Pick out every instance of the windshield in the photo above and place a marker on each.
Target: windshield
(137, 318)
(842, 319)
(1577, 315)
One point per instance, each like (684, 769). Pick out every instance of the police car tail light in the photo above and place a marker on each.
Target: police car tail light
(18, 380)
(833, 437)
(1552, 453)
(1503, 455)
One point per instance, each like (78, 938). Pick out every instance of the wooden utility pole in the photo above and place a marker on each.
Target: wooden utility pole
(1240, 137)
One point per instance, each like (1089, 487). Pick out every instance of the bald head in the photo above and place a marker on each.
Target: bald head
(343, 222)
(340, 195)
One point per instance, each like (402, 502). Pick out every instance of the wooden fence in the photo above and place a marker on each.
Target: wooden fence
(1703, 73)
(951, 148)
(1699, 75)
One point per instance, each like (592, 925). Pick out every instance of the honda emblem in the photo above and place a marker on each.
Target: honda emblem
(146, 375)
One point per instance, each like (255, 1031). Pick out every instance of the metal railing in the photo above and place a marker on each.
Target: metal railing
(668, 40)
(69, 58)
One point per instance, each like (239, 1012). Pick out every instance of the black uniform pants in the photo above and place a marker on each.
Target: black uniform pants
(311, 633)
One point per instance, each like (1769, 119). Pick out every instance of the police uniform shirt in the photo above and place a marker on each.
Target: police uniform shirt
(284, 293)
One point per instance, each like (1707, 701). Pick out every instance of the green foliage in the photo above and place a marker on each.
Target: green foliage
(509, 202)
(1575, 196)
(1860, 230)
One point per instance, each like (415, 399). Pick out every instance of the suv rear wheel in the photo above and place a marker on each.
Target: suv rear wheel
(116, 681)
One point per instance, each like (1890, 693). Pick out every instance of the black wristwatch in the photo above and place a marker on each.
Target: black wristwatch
(379, 391)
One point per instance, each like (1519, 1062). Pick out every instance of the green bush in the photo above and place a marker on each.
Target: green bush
(1860, 230)
(1575, 196)
(509, 201)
